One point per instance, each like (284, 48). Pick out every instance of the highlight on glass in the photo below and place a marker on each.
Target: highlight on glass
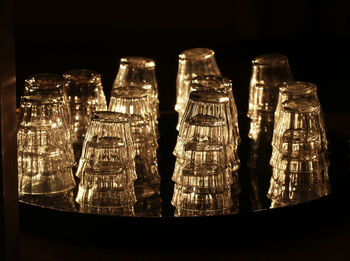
(192, 63)
(106, 167)
(44, 140)
(85, 94)
(205, 172)
(299, 147)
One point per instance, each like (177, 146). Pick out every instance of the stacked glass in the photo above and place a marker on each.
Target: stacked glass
(140, 72)
(45, 152)
(134, 101)
(85, 94)
(224, 85)
(269, 72)
(192, 63)
(106, 167)
(205, 173)
(299, 147)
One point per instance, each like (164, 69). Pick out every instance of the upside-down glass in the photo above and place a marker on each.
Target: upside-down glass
(139, 72)
(269, 72)
(106, 168)
(288, 188)
(208, 118)
(85, 95)
(192, 63)
(44, 163)
(50, 86)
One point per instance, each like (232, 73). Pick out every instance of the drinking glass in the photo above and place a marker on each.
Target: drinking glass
(269, 72)
(139, 72)
(85, 95)
(192, 63)
(44, 163)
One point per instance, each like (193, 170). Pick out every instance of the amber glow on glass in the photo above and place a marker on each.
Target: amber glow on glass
(106, 167)
(299, 147)
(192, 63)
(45, 152)
(134, 101)
(206, 157)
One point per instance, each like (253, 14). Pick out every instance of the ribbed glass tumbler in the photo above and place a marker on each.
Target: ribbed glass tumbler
(192, 63)
(269, 72)
(139, 72)
(106, 167)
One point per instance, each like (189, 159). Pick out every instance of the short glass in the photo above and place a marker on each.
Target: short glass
(269, 72)
(192, 63)
(139, 72)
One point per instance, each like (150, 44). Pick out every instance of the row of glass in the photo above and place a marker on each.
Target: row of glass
(285, 118)
(64, 125)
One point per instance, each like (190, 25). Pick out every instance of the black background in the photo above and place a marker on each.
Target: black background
(56, 36)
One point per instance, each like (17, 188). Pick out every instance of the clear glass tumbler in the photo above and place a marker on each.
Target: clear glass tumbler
(85, 95)
(139, 72)
(192, 63)
(44, 163)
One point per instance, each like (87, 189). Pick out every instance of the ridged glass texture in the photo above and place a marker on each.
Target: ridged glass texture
(106, 167)
(224, 85)
(139, 72)
(206, 156)
(299, 147)
(192, 63)
(135, 102)
(85, 95)
(45, 153)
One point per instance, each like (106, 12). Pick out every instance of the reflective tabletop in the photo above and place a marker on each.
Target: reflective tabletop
(254, 176)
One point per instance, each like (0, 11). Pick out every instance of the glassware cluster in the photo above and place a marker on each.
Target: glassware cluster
(66, 127)
(269, 72)
(135, 92)
(205, 174)
(64, 121)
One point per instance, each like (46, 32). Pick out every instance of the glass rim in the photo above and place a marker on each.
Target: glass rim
(271, 59)
(43, 82)
(82, 75)
(196, 54)
(211, 82)
(298, 88)
(138, 61)
(110, 116)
